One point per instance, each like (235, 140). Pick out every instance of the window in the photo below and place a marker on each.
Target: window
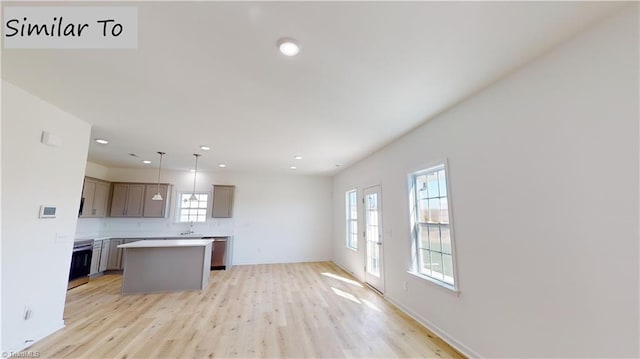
(192, 210)
(431, 226)
(351, 200)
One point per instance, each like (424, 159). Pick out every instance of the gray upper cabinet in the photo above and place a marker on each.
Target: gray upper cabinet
(95, 195)
(222, 201)
(156, 209)
(127, 200)
(135, 200)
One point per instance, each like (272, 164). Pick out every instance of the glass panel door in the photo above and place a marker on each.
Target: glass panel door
(373, 235)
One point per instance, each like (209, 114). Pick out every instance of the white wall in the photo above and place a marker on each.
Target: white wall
(276, 218)
(544, 180)
(96, 170)
(36, 253)
(1, 346)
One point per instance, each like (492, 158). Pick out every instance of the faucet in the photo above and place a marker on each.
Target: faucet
(190, 231)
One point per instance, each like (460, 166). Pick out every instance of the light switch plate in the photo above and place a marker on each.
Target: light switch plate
(50, 139)
(61, 238)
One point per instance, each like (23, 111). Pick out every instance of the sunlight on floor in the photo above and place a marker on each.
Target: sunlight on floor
(370, 305)
(355, 299)
(350, 296)
(346, 295)
(342, 279)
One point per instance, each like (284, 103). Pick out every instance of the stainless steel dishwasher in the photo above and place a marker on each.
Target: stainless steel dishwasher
(218, 252)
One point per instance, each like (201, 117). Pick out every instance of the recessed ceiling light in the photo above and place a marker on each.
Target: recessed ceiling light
(298, 157)
(222, 165)
(292, 167)
(101, 141)
(205, 148)
(146, 162)
(192, 170)
(288, 46)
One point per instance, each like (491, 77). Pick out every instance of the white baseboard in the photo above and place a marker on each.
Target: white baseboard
(355, 275)
(36, 337)
(456, 344)
(279, 261)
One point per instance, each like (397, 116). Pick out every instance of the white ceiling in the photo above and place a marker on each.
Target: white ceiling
(210, 73)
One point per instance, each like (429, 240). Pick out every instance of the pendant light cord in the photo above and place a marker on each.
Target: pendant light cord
(159, 169)
(158, 196)
(195, 174)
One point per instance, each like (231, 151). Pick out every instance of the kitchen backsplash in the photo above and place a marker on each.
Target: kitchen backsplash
(131, 226)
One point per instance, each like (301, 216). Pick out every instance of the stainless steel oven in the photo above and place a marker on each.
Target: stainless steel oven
(80, 263)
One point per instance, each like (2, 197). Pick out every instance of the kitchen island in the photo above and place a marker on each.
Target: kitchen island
(153, 266)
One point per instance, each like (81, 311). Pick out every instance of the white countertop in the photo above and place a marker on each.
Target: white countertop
(151, 236)
(95, 238)
(167, 243)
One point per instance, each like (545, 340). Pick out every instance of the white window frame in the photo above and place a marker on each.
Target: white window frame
(349, 220)
(179, 207)
(415, 223)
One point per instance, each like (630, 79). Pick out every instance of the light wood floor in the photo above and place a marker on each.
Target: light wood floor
(277, 310)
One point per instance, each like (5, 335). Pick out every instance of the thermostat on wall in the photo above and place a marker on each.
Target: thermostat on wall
(47, 212)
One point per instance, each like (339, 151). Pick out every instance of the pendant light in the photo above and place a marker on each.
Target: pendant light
(195, 174)
(158, 196)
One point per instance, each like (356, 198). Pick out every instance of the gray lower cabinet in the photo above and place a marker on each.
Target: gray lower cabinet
(115, 255)
(104, 255)
(116, 260)
(95, 257)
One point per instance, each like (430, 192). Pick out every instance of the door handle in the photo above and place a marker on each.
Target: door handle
(379, 243)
